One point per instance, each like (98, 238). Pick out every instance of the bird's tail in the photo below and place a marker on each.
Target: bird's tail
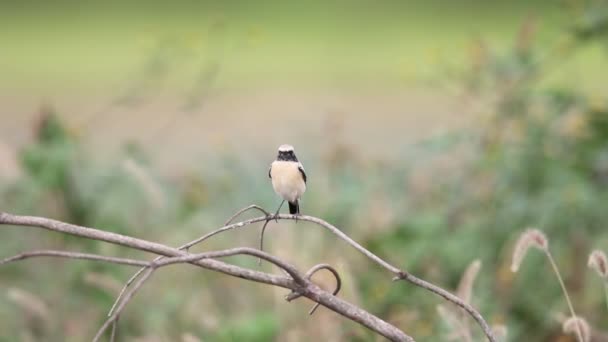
(294, 208)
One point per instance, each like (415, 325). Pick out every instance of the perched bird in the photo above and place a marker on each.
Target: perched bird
(288, 178)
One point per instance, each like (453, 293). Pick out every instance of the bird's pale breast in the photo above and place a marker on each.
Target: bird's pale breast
(287, 181)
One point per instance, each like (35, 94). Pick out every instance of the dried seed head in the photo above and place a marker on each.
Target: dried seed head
(573, 324)
(530, 238)
(500, 332)
(465, 288)
(29, 302)
(599, 263)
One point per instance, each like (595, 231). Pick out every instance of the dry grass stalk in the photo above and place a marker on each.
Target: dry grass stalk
(537, 239)
(455, 320)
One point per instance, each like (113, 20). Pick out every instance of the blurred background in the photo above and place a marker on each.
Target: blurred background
(432, 132)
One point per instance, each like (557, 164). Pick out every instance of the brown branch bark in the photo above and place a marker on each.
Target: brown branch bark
(309, 289)
(303, 281)
(399, 274)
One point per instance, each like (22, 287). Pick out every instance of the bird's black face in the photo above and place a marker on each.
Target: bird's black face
(287, 156)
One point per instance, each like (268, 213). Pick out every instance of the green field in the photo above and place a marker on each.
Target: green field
(70, 45)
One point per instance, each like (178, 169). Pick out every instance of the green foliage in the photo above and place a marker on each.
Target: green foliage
(47, 162)
(259, 328)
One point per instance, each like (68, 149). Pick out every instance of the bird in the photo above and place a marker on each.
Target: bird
(288, 178)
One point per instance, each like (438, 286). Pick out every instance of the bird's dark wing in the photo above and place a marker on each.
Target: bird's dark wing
(301, 169)
(269, 169)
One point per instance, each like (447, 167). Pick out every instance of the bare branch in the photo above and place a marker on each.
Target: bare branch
(294, 295)
(307, 218)
(143, 245)
(400, 275)
(311, 291)
(291, 270)
(187, 247)
(125, 286)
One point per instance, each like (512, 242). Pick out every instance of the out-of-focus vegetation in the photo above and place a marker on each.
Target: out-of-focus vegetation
(324, 43)
(537, 157)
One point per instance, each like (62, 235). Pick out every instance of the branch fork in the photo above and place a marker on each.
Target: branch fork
(300, 285)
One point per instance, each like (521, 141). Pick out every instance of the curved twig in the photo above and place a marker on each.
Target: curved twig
(294, 295)
(262, 238)
(307, 218)
(253, 206)
(319, 267)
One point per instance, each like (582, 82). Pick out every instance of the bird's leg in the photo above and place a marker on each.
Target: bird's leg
(298, 210)
(277, 213)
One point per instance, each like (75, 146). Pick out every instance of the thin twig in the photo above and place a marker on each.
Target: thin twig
(114, 329)
(317, 268)
(291, 270)
(73, 255)
(295, 294)
(125, 286)
(185, 247)
(128, 296)
(262, 239)
(253, 206)
(307, 218)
